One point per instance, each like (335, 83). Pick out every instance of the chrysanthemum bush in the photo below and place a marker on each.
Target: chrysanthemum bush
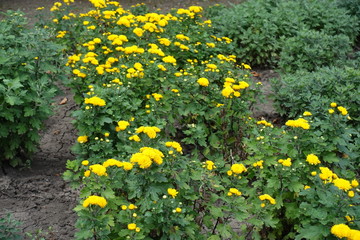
(166, 147)
(29, 65)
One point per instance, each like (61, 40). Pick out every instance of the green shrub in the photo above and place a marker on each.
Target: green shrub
(27, 73)
(313, 91)
(311, 49)
(258, 27)
(9, 228)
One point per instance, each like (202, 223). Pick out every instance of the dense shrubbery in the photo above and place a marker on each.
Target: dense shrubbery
(314, 90)
(311, 49)
(260, 27)
(27, 73)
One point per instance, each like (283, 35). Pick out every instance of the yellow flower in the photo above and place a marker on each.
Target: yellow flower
(157, 96)
(203, 82)
(331, 111)
(259, 164)
(312, 159)
(354, 183)
(132, 206)
(122, 125)
(127, 166)
(333, 104)
(285, 162)
(85, 162)
(313, 173)
(227, 91)
(351, 194)
(178, 210)
(154, 154)
(98, 169)
(211, 66)
(340, 230)
(164, 41)
(141, 159)
(131, 226)
(238, 168)
(172, 192)
(342, 184)
(234, 191)
(138, 31)
(169, 59)
(326, 174)
(96, 101)
(306, 113)
(149, 131)
(306, 187)
(135, 138)
(112, 162)
(210, 165)
(123, 207)
(342, 110)
(82, 139)
(267, 197)
(302, 123)
(95, 200)
(174, 145)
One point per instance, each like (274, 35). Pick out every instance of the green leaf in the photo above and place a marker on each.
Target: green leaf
(330, 157)
(13, 100)
(216, 212)
(108, 194)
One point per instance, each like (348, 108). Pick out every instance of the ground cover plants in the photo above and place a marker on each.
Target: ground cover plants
(167, 147)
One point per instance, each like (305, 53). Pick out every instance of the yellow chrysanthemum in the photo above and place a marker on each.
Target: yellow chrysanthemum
(82, 139)
(95, 200)
(203, 82)
(238, 168)
(340, 230)
(98, 169)
(172, 192)
(96, 101)
(312, 159)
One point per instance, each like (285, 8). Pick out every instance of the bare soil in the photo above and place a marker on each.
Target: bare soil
(37, 196)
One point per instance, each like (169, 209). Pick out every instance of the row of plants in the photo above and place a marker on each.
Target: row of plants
(313, 44)
(29, 65)
(167, 148)
(290, 34)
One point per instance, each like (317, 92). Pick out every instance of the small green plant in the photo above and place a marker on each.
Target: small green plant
(9, 228)
(27, 72)
(311, 49)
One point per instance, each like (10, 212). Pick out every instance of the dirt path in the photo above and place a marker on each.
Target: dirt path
(38, 197)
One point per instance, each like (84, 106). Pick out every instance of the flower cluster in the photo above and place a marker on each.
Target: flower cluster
(95, 200)
(298, 123)
(344, 231)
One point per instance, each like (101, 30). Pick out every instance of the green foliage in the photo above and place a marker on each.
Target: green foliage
(259, 27)
(9, 228)
(311, 49)
(315, 90)
(27, 72)
(353, 6)
(167, 149)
